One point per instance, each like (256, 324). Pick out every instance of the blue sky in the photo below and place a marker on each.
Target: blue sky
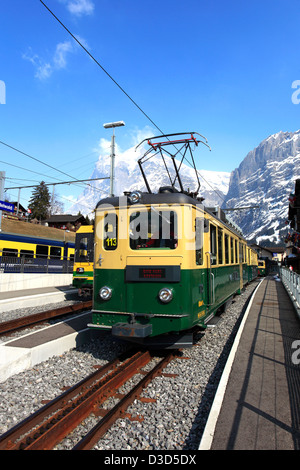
(223, 69)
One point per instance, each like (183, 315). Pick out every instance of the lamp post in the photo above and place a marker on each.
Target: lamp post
(112, 154)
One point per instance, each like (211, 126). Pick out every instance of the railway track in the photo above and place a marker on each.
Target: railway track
(34, 319)
(48, 426)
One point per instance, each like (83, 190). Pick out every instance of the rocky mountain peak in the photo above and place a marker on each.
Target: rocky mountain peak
(265, 177)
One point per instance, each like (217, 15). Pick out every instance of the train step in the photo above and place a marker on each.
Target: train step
(213, 322)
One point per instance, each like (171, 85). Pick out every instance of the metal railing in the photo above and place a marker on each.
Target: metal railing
(291, 282)
(14, 264)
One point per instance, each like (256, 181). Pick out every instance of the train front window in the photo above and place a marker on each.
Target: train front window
(110, 236)
(153, 229)
(83, 247)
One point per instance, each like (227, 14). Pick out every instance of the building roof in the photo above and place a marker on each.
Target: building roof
(65, 218)
(270, 249)
(21, 208)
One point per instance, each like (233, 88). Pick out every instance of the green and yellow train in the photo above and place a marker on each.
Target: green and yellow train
(164, 264)
(83, 271)
(261, 268)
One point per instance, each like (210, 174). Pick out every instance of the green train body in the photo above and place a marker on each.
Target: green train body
(156, 292)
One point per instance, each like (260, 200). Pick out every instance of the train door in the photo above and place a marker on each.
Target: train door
(241, 265)
(108, 263)
(211, 264)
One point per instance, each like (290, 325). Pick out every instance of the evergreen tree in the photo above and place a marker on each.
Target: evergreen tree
(40, 202)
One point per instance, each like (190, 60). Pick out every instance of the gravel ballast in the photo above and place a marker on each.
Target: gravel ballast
(175, 421)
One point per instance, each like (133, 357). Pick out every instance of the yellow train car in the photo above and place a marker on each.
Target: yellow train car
(261, 268)
(83, 271)
(146, 286)
(35, 248)
(164, 263)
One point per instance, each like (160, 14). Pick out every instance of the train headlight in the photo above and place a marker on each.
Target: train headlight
(165, 295)
(135, 197)
(80, 270)
(105, 293)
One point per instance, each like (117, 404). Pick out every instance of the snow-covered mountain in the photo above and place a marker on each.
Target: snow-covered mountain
(128, 177)
(265, 178)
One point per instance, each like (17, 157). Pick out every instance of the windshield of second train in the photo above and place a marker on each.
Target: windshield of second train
(153, 229)
(84, 247)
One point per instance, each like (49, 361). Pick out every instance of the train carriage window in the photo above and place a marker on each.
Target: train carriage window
(240, 253)
(236, 251)
(226, 249)
(41, 251)
(231, 250)
(220, 245)
(55, 252)
(199, 241)
(9, 252)
(213, 244)
(153, 229)
(27, 254)
(110, 236)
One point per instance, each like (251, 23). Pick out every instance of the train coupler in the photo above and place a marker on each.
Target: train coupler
(131, 330)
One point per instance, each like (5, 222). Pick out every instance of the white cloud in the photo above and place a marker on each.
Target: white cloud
(80, 7)
(62, 49)
(59, 60)
(43, 69)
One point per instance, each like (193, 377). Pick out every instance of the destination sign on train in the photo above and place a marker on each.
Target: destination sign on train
(7, 206)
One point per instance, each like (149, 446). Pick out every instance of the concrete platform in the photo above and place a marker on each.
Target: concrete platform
(12, 300)
(257, 404)
(23, 353)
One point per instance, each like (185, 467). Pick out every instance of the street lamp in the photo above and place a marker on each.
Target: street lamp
(112, 155)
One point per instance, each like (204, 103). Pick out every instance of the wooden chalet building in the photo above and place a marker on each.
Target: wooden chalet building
(66, 221)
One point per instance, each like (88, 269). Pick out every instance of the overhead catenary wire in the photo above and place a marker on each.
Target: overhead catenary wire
(62, 182)
(76, 180)
(36, 159)
(116, 83)
(26, 169)
(99, 65)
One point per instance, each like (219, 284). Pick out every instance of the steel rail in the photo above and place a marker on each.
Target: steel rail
(23, 322)
(119, 409)
(7, 439)
(72, 407)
